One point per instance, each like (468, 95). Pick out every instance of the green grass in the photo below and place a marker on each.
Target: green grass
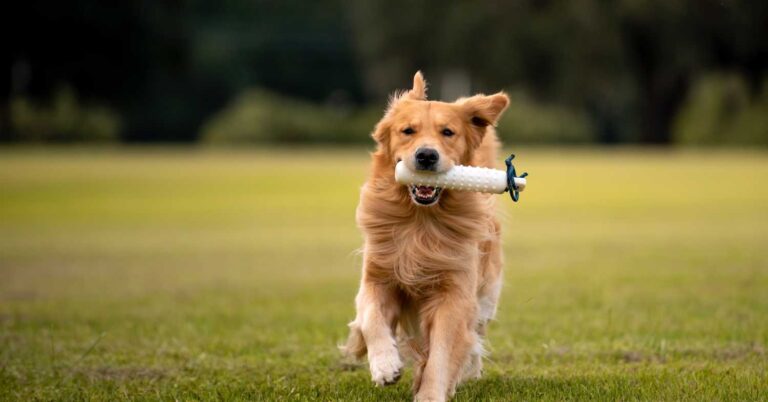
(198, 275)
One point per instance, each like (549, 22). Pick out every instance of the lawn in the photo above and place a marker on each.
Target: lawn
(187, 274)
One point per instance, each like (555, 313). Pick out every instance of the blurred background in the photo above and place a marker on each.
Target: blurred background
(261, 72)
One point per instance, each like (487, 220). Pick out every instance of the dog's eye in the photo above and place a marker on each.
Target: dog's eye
(447, 132)
(408, 131)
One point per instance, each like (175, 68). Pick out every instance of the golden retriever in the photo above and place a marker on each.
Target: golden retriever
(431, 257)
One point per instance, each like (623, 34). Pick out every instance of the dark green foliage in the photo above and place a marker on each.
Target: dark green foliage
(65, 119)
(262, 117)
(623, 68)
(720, 110)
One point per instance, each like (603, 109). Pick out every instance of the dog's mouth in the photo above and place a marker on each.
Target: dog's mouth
(425, 195)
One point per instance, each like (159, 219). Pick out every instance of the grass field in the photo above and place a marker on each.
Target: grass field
(198, 275)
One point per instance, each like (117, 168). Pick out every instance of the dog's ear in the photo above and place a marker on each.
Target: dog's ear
(483, 111)
(419, 90)
(381, 131)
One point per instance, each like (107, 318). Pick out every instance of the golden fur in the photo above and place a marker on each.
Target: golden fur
(431, 274)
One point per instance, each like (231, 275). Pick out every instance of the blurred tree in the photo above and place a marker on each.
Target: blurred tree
(721, 110)
(168, 65)
(83, 44)
(65, 119)
(628, 64)
(669, 42)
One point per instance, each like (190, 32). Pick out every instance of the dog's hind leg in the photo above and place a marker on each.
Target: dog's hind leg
(372, 330)
(489, 289)
(487, 301)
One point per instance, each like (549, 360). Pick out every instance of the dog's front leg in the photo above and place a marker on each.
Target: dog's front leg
(450, 326)
(378, 308)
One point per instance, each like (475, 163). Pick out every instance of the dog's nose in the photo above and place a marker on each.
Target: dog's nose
(426, 158)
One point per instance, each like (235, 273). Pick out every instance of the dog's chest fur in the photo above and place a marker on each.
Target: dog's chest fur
(418, 248)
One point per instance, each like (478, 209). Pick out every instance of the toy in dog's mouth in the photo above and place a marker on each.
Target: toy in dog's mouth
(424, 195)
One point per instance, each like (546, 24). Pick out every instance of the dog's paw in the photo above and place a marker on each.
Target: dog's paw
(386, 367)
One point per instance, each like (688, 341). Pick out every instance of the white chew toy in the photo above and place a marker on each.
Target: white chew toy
(462, 178)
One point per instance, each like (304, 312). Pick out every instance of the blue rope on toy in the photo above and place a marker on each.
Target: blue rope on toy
(511, 175)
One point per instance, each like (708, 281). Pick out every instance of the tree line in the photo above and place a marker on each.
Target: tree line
(163, 70)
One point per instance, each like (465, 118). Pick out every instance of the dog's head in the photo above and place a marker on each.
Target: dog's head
(435, 136)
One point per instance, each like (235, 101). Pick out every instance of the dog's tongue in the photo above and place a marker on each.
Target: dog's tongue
(425, 191)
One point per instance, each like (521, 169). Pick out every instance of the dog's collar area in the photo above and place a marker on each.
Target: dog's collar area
(511, 176)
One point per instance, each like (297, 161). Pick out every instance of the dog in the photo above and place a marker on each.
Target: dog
(432, 257)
